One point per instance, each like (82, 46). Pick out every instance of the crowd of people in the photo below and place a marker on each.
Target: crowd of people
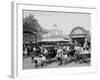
(61, 54)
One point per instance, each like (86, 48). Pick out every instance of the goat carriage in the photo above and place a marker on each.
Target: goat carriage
(45, 57)
(82, 56)
(57, 54)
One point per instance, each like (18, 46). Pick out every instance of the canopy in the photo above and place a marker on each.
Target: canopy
(54, 40)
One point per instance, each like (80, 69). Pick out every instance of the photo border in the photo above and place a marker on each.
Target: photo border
(17, 35)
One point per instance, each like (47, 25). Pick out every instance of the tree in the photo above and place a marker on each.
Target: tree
(31, 25)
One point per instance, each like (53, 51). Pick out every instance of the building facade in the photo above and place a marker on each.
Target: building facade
(54, 35)
(79, 35)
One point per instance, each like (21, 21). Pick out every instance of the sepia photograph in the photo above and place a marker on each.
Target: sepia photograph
(56, 39)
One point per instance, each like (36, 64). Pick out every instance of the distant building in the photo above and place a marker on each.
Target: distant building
(79, 35)
(53, 32)
(54, 35)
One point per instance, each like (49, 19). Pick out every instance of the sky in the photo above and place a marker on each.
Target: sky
(65, 21)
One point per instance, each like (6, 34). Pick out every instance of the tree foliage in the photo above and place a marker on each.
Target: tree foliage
(30, 24)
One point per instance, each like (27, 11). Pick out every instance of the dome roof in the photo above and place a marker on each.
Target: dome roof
(78, 30)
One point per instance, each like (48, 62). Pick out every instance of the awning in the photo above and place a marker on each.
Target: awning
(54, 40)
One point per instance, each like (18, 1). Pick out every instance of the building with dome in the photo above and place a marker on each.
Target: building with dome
(80, 35)
(54, 35)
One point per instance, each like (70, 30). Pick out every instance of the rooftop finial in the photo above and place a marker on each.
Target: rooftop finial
(55, 26)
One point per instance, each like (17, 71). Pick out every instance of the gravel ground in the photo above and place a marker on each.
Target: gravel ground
(27, 64)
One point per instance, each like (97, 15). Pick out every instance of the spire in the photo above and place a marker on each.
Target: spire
(55, 26)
